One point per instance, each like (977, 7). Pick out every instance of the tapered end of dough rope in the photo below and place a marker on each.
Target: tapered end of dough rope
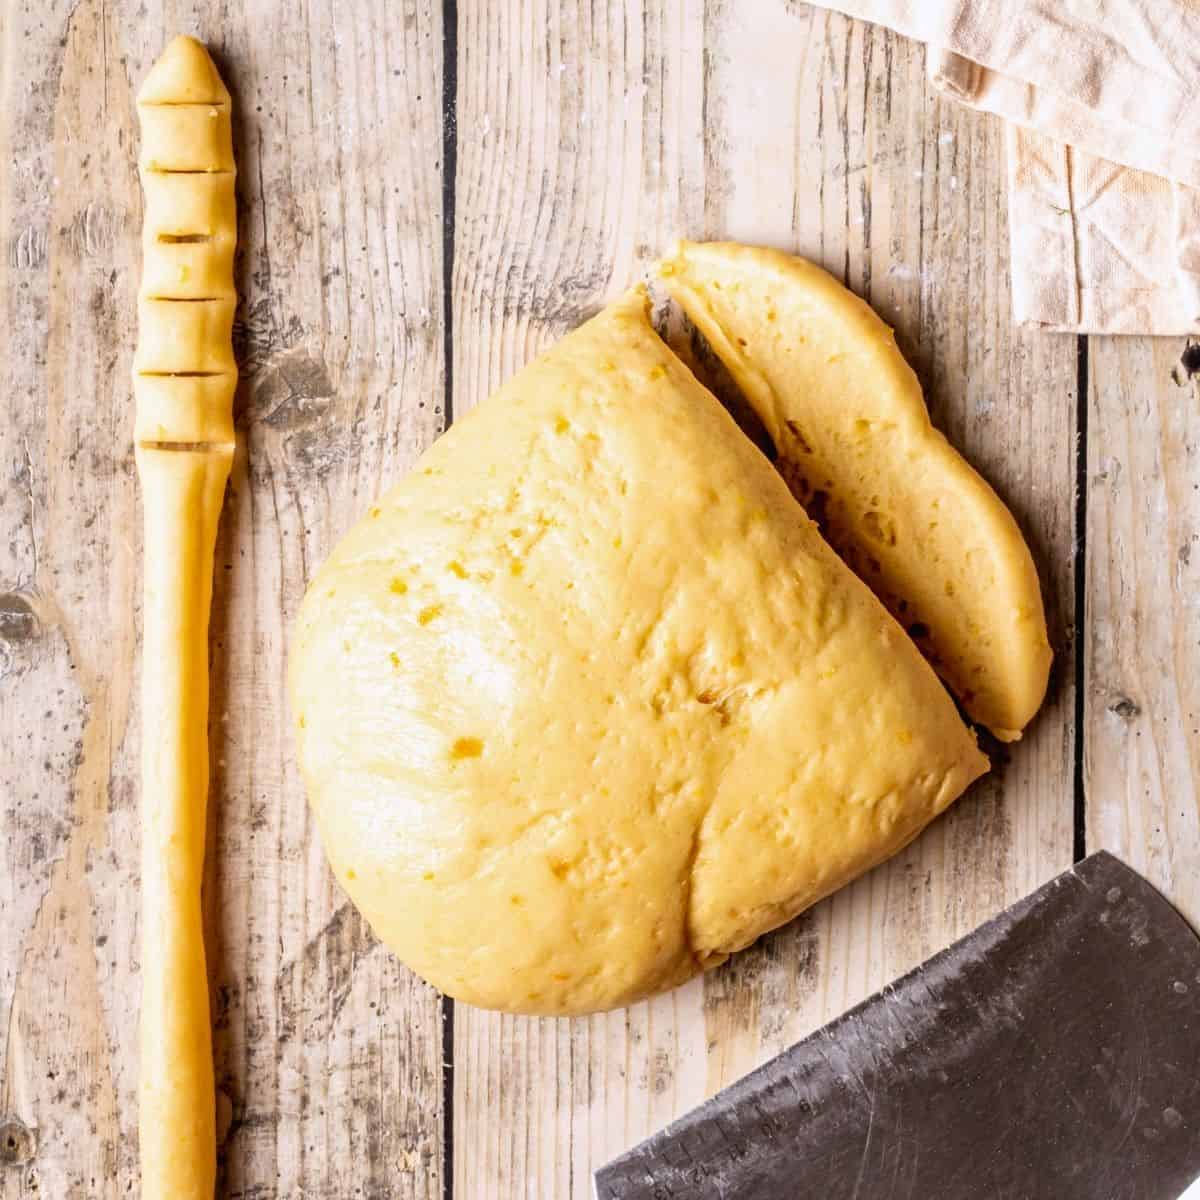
(184, 74)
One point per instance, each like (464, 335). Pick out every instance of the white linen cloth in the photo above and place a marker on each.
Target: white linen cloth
(1102, 98)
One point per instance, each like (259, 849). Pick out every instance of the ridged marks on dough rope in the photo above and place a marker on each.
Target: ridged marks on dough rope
(184, 371)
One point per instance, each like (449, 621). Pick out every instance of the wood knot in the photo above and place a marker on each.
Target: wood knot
(1188, 365)
(292, 390)
(18, 1143)
(18, 621)
(1125, 708)
(19, 624)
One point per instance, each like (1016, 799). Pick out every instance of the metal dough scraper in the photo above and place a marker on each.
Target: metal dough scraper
(1054, 1053)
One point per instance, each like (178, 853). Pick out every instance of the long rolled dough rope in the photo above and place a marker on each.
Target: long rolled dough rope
(184, 377)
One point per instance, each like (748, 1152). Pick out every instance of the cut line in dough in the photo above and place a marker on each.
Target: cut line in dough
(184, 374)
(216, 104)
(185, 447)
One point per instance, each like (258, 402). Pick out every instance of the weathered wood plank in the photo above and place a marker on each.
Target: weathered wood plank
(70, 210)
(589, 136)
(1142, 666)
(328, 1052)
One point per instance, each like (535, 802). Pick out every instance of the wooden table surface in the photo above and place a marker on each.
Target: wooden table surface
(429, 195)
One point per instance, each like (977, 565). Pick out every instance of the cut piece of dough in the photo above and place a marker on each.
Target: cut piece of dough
(178, 335)
(897, 501)
(185, 138)
(585, 703)
(184, 409)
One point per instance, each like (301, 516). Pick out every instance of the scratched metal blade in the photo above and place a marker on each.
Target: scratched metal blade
(1053, 1053)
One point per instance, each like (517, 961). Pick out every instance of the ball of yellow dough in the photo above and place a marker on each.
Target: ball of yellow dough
(585, 704)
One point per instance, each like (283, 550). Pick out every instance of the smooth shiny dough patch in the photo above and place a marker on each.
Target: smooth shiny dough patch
(585, 703)
(897, 501)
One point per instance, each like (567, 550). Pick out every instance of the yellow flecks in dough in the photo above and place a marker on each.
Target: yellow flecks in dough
(617, 542)
(429, 613)
(374, 511)
(657, 372)
(516, 567)
(397, 587)
(466, 747)
(301, 722)
(351, 875)
(456, 568)
(394, 659)
(427, 876)
(562, 425)
(904, 737)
